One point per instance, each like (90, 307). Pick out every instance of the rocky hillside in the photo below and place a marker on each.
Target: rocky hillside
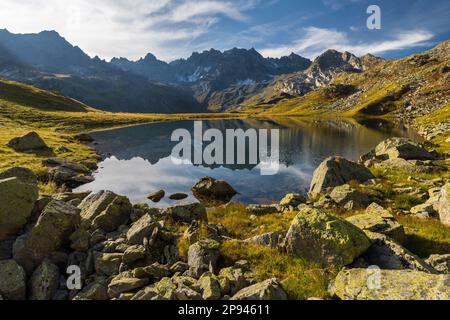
(406, 89)
(50, 62)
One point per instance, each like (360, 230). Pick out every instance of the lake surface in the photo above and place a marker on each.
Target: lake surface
(137, 160)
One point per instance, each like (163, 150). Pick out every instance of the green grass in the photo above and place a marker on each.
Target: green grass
(300, 279)
(425, 237)
(237, 221)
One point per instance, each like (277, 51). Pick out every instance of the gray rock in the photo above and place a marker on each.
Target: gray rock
(134, 253)
(424, 211)
(53, 228)
(363, 284)
(156, 271)
(444, 205)
(157, 196)
(440, 262)
(143, 228)
(410, 166)
(44, 281)
(122, 284)
(23, 174)
(97, 290)
(12, 281)
(187, 213)
(394, 148)
(209, 190)
(336, 171)
(387, 254)
(105, 210)
(270, 239)
(266, 290)
(377, 219)
(203, 256)
(178, 196)
(210, 287)
(29, 142)
(260, 210)
(108, 263)
(318, 236)
(292, 200)
(349, 198)
(16, 204)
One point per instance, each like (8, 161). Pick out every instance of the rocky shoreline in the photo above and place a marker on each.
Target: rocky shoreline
(128, 251)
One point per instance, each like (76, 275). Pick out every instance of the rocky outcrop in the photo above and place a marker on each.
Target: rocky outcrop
(372, 284)
(187, 213)
(395, 148)
(385, 253)
(266, 290)
(12, 281)
(53, 228)
(105, 210)
(336, 171)
(44, 281)
(318, 236)
(377, 219)
(349, 198)
(66, 172)
(213, 192)
(17, 200)
(28, 143)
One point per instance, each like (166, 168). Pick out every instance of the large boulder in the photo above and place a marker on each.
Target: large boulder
(388, 254)
(266, 290)
(44, 281)
(105, 210)
(53, 229)
(394, 148)
(379, 220)
(372, 284)
(187, 213)
(29, 142)
(23, 174)
(323, 238)
(292, 200)
(212, 191)
(143, 228)
(12, 281)
(444, 205)
(202, 257)
(349, 198)
(270, 239)
(336, 171)
(410, 166)
(17, 200)
(66, 172)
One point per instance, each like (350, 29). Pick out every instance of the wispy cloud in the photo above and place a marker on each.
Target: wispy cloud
(122, 27)
(317, 40)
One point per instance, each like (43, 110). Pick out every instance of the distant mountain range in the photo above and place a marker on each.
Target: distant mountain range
(208, 81)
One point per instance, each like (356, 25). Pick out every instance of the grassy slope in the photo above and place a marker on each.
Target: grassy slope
(57, 118)
(382, 89)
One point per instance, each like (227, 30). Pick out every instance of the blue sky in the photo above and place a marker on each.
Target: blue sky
(175, 28)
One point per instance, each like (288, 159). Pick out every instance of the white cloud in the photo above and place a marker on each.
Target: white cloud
(126, 28)
(317, 40)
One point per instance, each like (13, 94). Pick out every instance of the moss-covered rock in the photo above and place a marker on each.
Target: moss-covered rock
(373, 284)
(336, 171)
(444, 205)
(377, 219)
(12, 281)
(402, 148)
(266, 290)
(16, 204)
(318, 236)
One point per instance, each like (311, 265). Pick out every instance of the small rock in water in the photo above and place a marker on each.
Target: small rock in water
(178, 196)
(157, 196)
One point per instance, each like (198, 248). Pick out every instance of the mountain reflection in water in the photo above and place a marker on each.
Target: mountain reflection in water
(137, 160)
